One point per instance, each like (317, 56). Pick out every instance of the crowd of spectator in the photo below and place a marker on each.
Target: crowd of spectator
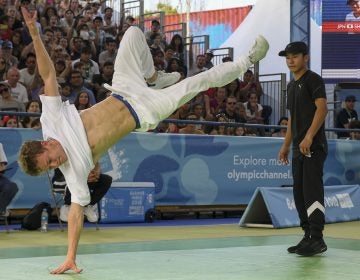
(82, 38)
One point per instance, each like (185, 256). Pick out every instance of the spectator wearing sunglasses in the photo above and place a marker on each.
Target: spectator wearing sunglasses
(7, 101)
(230, 110)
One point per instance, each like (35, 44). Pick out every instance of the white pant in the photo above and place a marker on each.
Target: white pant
(134, 63)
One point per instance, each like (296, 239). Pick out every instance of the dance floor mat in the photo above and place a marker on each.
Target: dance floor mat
(181, 252)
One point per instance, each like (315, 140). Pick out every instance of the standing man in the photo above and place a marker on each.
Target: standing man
(307, 104)
(75, 142)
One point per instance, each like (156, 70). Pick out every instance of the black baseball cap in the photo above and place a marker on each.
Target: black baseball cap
(295, 48)
(348, 2)
(350, 98)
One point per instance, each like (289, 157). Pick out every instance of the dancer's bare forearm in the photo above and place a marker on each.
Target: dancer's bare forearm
(44, 62)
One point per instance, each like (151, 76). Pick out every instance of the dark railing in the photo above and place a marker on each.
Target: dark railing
(198, 44)
(145, 24)
(171, 29)
(134, 8)
(220, 53)
(274, 88)
(209, 123)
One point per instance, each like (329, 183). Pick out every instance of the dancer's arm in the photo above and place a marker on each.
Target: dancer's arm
(317, 122)
(75, 222)
(44, 63)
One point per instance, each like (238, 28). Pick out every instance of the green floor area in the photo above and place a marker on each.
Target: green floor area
(182, 252)
(242, 262)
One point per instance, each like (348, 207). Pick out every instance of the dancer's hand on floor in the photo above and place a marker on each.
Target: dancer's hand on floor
(67, 265)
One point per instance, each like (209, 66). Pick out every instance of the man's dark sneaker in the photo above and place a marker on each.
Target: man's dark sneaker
(302, 243)
(313, 247)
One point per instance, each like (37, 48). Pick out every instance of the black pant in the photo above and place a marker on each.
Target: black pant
(97, 190)
(8, 190)
(309, 191)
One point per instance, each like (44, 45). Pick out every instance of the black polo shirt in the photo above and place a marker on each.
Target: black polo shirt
(301, 96)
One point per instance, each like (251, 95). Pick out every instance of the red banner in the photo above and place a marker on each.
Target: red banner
(341, 27)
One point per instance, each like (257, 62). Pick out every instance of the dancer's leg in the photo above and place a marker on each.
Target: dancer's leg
(152, 106)
(133, 62)
(218, 76)
(162, 103)
(177, 95)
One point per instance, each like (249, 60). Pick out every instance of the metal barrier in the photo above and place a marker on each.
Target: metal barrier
(133, 8)
(198, 44)
(266, 127)
(220, 53)
(274, 88)
(208, 123)
(171, 29)
(148, 17)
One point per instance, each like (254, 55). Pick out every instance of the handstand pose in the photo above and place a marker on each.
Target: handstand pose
(74, 142)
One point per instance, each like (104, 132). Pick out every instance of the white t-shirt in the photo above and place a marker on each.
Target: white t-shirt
(25, 77)
(19, 93)
(61, 121)
(249, 113)
(351, 17)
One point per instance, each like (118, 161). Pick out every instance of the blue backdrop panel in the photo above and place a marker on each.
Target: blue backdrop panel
(275, 207)
(31, 189)
(190, 169)
(127, 202)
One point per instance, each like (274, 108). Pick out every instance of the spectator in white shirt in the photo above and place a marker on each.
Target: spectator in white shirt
(27, 74)
(18, 91)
